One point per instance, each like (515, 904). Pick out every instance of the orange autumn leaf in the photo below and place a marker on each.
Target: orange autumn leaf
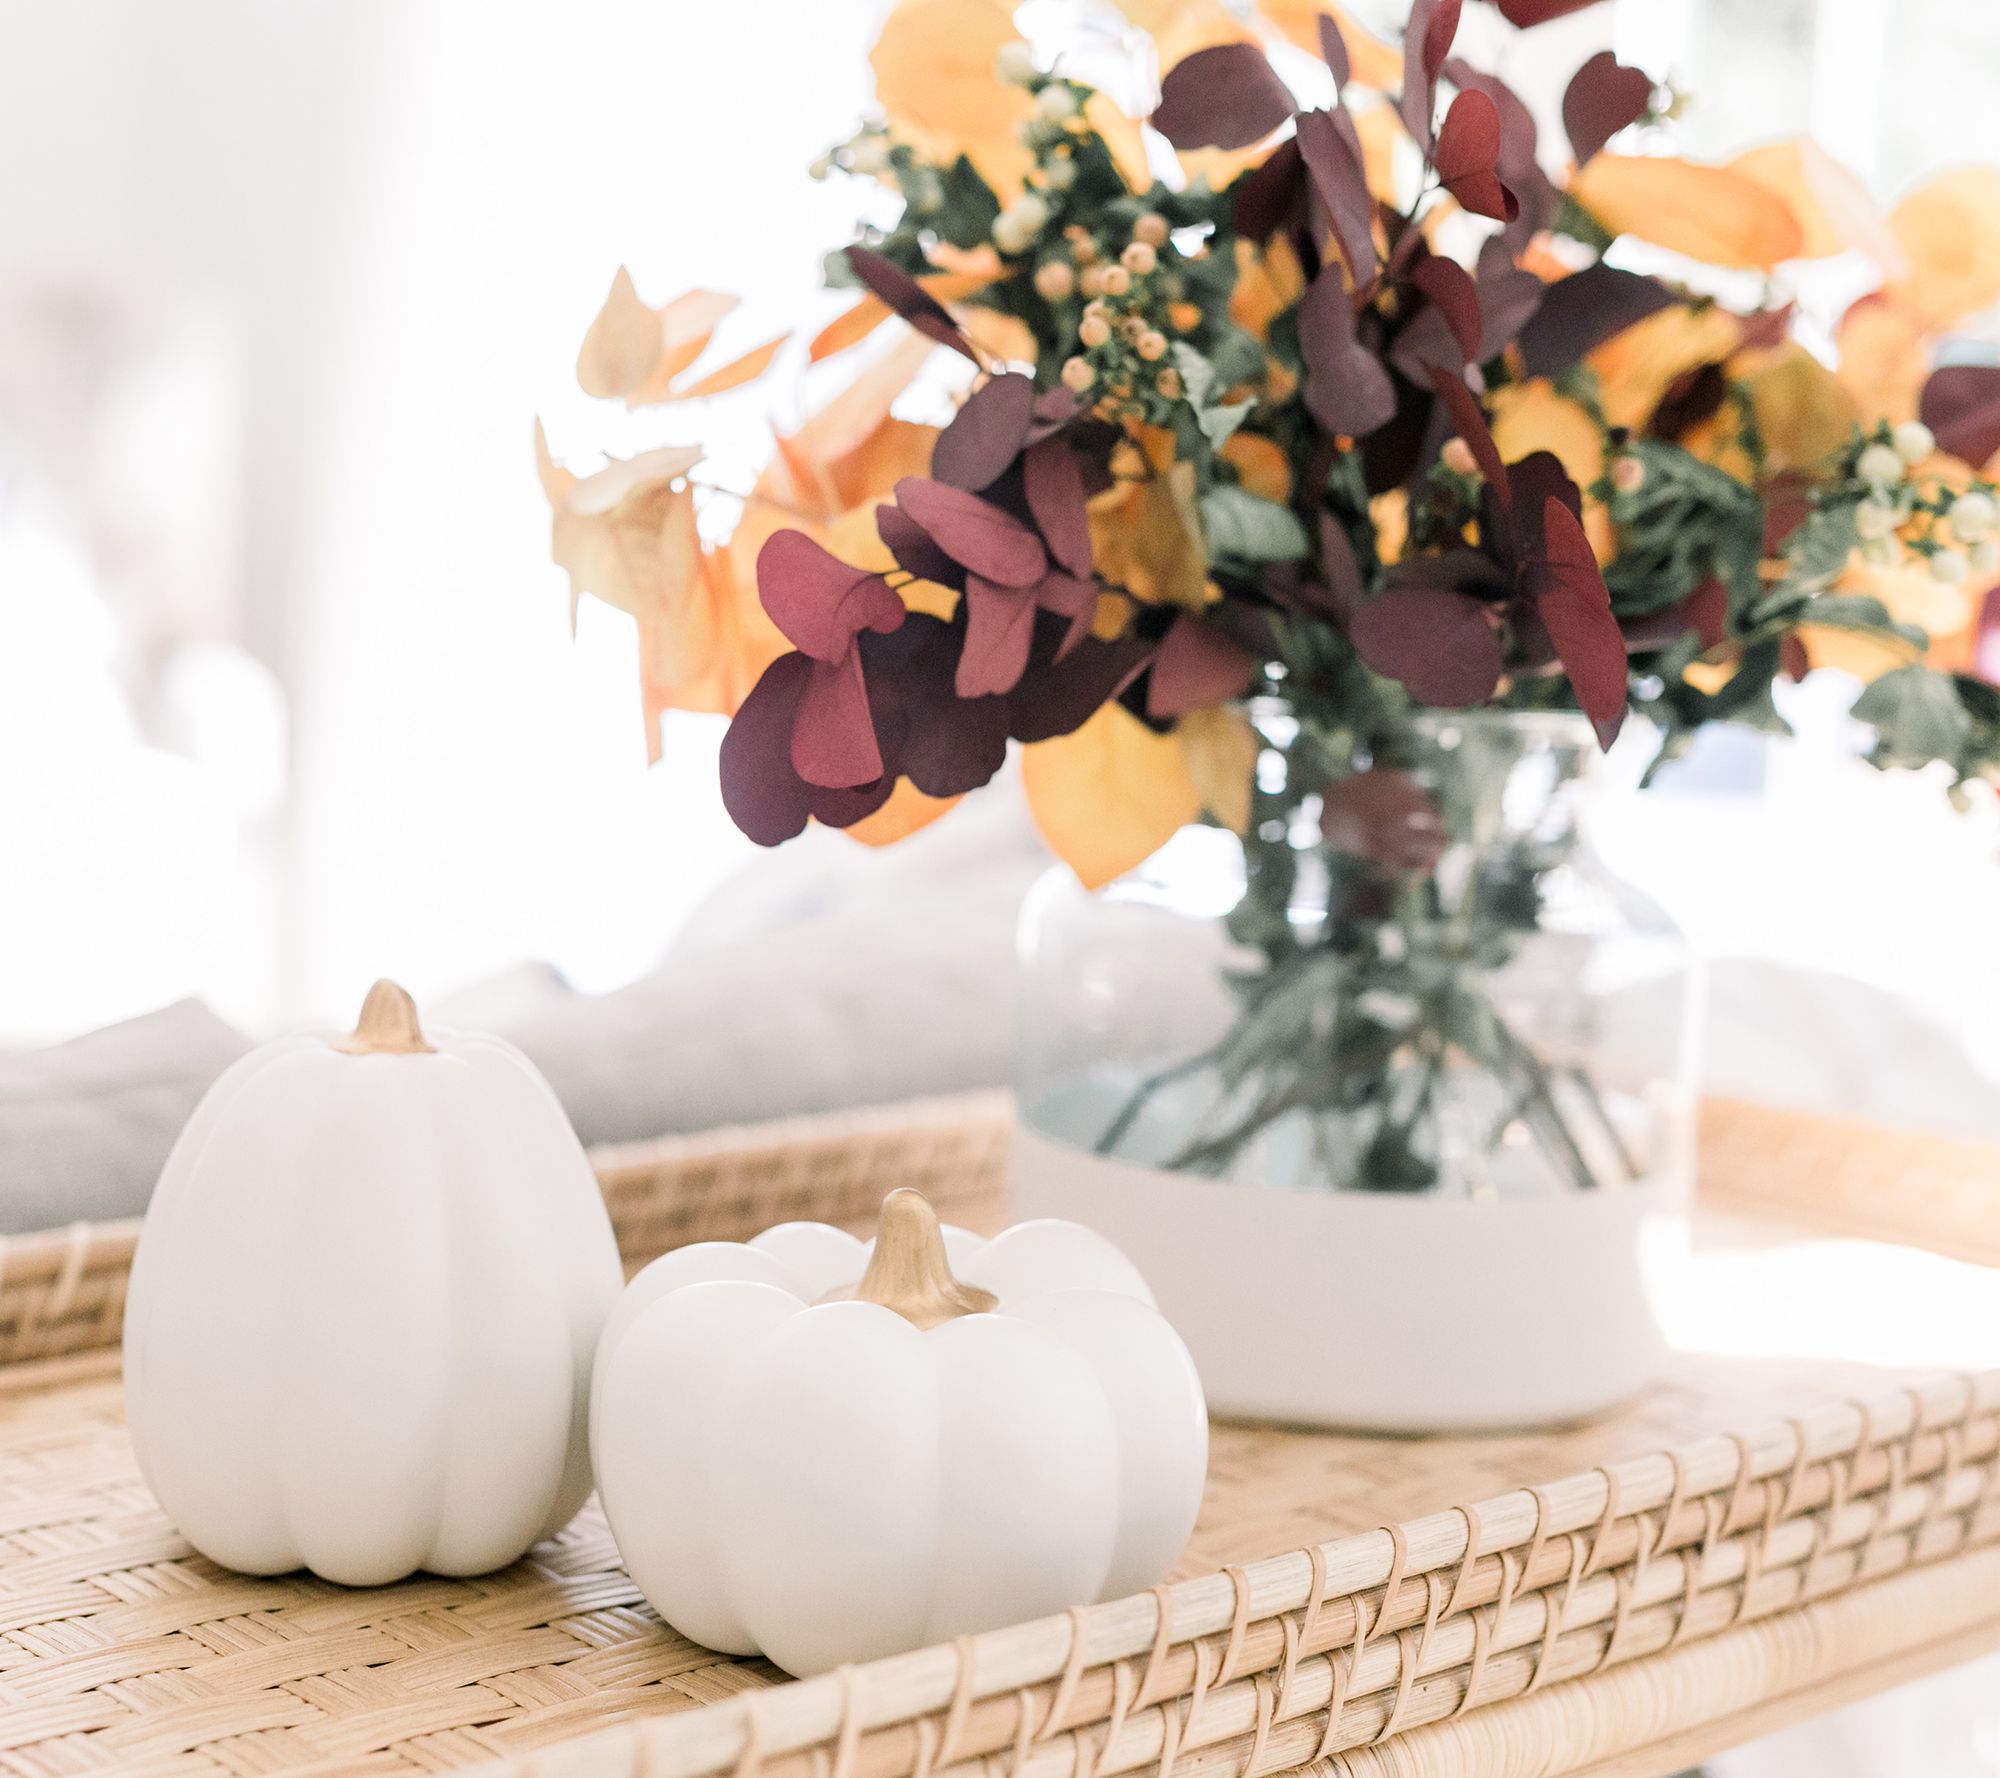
(1145, 536)
(1804, 413)
(1636, 366)
(1124, 140)
(933, 66)
(1110, 795)
(1267, 284)
(622, 534)
(907, 810)
(1221, 750)
(735, 373)
(622, 343)
(849, 328)
(1186, 26)
(1885, 356)
(1707, 213)
(1260, 465)
(1949, 230)
(1833, 208)
(1371, 61)
(1531, 416)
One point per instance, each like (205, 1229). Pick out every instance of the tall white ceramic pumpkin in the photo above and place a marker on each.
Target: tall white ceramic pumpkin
(364, 1307)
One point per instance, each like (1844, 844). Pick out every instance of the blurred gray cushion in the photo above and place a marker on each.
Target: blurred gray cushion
(85, 1126)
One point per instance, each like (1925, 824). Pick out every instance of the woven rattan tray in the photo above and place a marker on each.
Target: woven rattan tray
(1754, 1539)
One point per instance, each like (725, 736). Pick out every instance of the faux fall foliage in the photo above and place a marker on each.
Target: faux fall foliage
(1360, 404)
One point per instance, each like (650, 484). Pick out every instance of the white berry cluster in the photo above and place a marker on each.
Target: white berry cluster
(1955, 531)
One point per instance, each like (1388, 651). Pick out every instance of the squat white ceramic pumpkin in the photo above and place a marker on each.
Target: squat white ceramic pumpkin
(825, 1451)
(364, 1308)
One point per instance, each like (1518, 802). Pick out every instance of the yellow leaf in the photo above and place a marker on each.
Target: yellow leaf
(1146, 537)
(1110, 795)
(1193, 25)
(934, 77)
(1005, 337)
(849, 328)
(1804, 414)
(1221, 749)
(1390, 515)
(555, 479)
(1885, 355)
(1260, 465)
(1708, 213)
(1833, 208)
(687, 324)
(907, 809)
(1531, 416)
(1371, 61)
(1635, 367)
(1949, 230)
(1123, 139)
(622, 344)
(1267, 284)
(735, 373)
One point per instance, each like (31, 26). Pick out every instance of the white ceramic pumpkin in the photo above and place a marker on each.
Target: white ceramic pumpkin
(825, 1451)
(364, 1307)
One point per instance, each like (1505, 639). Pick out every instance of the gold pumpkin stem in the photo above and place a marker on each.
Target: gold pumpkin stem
(908, 1271)
(387, 1025)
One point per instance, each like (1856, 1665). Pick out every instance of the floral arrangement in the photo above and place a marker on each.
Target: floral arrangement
(1366, 401)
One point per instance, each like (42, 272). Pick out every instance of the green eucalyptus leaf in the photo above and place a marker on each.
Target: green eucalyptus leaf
(1250, 528)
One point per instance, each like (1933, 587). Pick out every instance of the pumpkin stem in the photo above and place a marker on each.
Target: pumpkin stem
(387, 1025)
(908, 1271)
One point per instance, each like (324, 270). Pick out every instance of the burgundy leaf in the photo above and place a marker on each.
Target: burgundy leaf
(1764, 330)
(1227, 96)
(1337, 564)
(833, 736)
(1792, 656)
(1508, 298)
(985, 436)
(1470, 424)
(1439, 30)
(1693, 397)
(818, 601)
(763, 794)
(913, 549)
(1347, 389)
(1961, 404)
(1571, 598)
(1603, 96)
(1053, 411)
(1073, 597)
(1417, 101)
(999, 631)
(1332, 155)
(1267, 194)
(956, 744)
(1536, 479)
(1467, 155)
(1450, 290)
(1527, 13)
(1579, 313)
(1705, 612)
(1385, 815)
(1196, 668)
(974, 532)
(1439, 643)
(909, 299)
(1054, 485)
(1333, 50)
(1519, 169)
(1060, 698)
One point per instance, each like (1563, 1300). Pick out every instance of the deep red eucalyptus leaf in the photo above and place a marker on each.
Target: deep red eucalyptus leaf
(1603, 96)
(762, 792)
(1439, 30)
(1227, 96)
(1438, 643)
(833, 736)
(1073, 597)
(1528, 13)
(1534, 480)
(1333, 50)
(1579, 313)
(1449, 288)
(975, 533)
(1053, 482)
(1342, 572)
(1267, 195)
(1572, 600)
(818, 601)
(913, 549)
(1508, 298)
(1060, 698)
(1347, 390)
(909, 299)
(985, 436)
(999, 632)
(1468, 154)
(1417, 102)
(1053, 411)
(1470, 424)
(1385, 815)
(1197, 667)
(1793, 657)
(1519, 169)
(1961, 404)
(1692, 398)
(1331, 150)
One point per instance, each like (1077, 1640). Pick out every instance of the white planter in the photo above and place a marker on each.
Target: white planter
(1381, 1312)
